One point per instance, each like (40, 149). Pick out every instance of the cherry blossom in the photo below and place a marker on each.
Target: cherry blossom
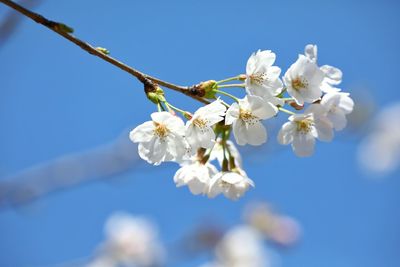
(337, 106)
(161, 139)
(233, 184)
(302, 130)
(246, 117)
(261, 77)
(196, 176)
(303, 80)
(198, 129)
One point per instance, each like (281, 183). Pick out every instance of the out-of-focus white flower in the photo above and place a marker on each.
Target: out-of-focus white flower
(303, 80)
(379, 152)
(261, 77)
(279, 228)
(233, 184)
(212, 264)
(242, 246)
(161, 139)
(246, 118)
(130, 241)
(196, 176)
(302, 129)
(337, 105)
(218, 152)
(333, 76)
(198, 129)
(102, 261)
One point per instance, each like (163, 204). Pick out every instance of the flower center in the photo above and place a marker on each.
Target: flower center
(200, 123)
(258, 78)
(304, 126)
(248, 117)
(299, 83)
(161, 130)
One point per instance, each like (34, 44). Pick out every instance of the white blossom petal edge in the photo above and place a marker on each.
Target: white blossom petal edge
(333, 76)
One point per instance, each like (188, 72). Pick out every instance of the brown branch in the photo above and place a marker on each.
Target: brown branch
(66, 31)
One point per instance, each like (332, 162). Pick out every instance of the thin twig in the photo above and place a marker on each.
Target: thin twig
(65, 32)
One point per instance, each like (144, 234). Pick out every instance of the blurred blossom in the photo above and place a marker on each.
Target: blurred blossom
(280, 229)
(242, 246)
(130, 241)
(379, 152)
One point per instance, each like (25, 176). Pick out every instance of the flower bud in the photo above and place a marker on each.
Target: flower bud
(204, 89)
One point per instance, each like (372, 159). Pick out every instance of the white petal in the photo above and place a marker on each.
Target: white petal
(176, 125)
(303, 144)
(261, 108)
(232, 114)
(256, 134)
(232, 177)
(143, 132)
(285, 135)
(160, 117)
(214, 188)
(338, 119)
(346, 103)
(333, 75)
(324, 129)
(311, 52)
(206, 138)
(239, 132)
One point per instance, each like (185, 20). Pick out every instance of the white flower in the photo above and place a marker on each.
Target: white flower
(160, 139)
(233, 184)
(303, 80)
(379, 151)
(242, 246)
(199, 132)
(333, 76)
(337, 105)
(196, 176)
(131, 241)
(218, 152)
(261, 77)
(246, 118)
(302, 129)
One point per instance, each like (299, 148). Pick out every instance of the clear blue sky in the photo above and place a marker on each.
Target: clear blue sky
(56, 99)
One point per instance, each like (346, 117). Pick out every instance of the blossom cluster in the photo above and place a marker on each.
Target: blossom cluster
(205, 137)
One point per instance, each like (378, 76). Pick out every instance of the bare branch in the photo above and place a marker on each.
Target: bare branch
(65, 31)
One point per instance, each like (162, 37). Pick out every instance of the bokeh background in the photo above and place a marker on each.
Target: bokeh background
(59, 105)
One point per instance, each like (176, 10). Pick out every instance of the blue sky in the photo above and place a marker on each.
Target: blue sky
(57, 99)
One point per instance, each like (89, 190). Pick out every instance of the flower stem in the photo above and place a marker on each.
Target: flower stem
(175, 108)
(227, 94)
(287, 98)
(236, 78)
(241, 85)
(286, 111)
